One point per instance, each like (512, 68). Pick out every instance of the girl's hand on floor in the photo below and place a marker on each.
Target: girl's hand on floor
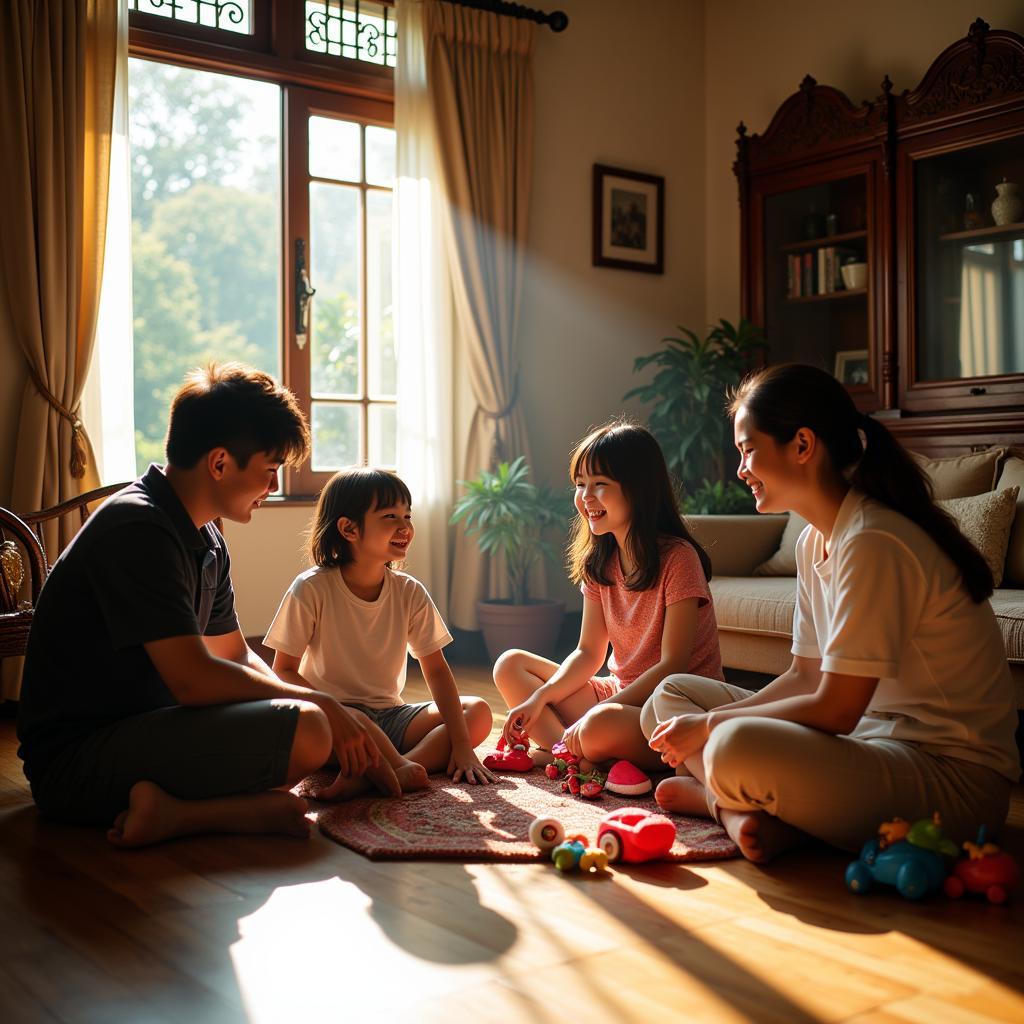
(465, 766)
(521, 719)
(681, 737)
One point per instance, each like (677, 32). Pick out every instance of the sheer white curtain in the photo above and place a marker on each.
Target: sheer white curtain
(423, 316)
(107, 401)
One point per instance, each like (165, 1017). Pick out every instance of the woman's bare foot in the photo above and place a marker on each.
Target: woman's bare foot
(760, 836)
(153, 816)
(682, 794)
(412, 776)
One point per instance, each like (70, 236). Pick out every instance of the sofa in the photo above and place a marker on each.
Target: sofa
(754, 560)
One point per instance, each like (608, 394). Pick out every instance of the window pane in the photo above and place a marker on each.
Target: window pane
(335, 436)
(205, 151)
(233, 15)
(356, 29)
(380, 155)
(334, 271)
(383, 436)
(334, 149)
(379, 323)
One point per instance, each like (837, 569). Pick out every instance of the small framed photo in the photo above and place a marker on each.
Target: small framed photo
(853, 368)
(629, 220)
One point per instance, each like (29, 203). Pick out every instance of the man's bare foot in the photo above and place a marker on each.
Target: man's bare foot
(412, 776)
(760, 836)
(682, 794)
(153, 816)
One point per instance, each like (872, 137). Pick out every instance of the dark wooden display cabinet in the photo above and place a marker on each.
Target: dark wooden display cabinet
(930, 335)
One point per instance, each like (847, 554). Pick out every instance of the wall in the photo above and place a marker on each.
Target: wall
(616, 90)
(756, 54)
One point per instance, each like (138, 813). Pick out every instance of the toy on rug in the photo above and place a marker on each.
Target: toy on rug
(567, 854)
(635, 835)
(517, 759)
(985, 869)
(626, 779)
(586, 784)
(546, 833)
(911, 858)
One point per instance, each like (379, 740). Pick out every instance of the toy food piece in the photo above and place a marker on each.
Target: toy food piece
(635, 835)
(591, 789)
(594, 862)
(567, 855)
(914, 865)
(546, 833)
(515, 760)
(627, 779)
(986, 870)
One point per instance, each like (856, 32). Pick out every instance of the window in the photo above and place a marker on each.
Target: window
(231, 16)
(237, 172)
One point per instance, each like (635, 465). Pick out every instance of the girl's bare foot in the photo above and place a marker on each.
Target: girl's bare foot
(682, 794)
(153, 816)
(541, 757)
(411, 776)
(384, 779)
(760, 836)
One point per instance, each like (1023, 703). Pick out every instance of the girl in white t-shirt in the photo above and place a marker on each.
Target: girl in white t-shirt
(899, 700)
(346, 625)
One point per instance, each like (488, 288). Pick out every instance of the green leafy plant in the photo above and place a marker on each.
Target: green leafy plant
(721, 498)
(510, 516)
(688, 395)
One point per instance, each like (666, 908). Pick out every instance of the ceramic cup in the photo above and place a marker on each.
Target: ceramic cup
(855, 275)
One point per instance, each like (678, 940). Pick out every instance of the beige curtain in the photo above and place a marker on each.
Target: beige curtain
(481, 93)
(56, 105)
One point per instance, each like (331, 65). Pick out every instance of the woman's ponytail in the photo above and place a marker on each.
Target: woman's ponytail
(783, 398)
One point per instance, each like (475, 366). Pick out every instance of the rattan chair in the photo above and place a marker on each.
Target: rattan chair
(25, 531)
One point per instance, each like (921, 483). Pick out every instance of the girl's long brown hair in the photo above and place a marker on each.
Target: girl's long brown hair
(628, 454)
(351, 493)
(781, 399)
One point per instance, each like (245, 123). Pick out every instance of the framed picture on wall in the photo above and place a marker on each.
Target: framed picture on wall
(629, 220)
(853, 367)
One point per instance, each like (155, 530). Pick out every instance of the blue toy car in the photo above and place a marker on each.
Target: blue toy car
(915, 865)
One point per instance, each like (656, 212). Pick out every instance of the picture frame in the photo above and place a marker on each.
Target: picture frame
(629, 220)
(853, 368)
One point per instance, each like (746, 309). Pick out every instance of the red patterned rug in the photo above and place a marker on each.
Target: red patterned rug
(479, 823)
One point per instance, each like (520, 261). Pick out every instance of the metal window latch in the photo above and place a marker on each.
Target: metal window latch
(303, 293)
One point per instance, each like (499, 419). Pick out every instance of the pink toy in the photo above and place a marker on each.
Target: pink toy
(627, 779)
(515, 760)
(634, 835)
(985, 869)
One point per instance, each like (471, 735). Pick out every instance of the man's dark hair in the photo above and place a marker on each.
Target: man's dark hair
(233, 406)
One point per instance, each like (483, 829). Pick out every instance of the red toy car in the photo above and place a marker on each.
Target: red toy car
(634, 835)
(986, 869)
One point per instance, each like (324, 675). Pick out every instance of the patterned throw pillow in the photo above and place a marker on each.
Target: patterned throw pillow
(985, 520)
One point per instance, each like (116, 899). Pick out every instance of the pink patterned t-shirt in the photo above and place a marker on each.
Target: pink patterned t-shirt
(635, 619)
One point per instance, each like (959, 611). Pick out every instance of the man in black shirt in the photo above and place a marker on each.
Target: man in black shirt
(142, 705)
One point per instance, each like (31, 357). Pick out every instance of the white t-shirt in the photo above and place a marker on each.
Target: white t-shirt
(888, 602)
(353, 649)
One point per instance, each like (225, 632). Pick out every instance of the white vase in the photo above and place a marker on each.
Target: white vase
(1008, 207)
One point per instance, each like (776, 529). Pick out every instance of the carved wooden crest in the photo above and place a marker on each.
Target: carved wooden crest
(986, 67)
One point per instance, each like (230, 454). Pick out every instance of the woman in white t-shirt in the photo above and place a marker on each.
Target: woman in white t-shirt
(899, 700)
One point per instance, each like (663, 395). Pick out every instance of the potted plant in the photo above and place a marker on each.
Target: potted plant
(510, 517)
(688, 419)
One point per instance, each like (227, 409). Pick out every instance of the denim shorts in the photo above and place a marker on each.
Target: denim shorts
(392, 721)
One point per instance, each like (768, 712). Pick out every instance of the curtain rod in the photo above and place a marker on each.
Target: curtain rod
(556, 20)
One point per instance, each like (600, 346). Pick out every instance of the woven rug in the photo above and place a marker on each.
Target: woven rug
(480, 823)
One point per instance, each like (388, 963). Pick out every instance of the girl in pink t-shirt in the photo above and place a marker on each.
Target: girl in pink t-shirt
(645, 585)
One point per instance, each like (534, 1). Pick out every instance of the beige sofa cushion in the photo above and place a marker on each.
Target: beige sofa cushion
(1009, 608)
(783, 562)
(985, 520)
(761, 605)
(1012, 475)
(961, 476)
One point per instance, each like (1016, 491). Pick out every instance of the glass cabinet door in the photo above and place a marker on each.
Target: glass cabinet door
(817, 280)
(969, 242)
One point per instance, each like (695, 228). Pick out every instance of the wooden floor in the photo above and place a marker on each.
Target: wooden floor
(268, 929)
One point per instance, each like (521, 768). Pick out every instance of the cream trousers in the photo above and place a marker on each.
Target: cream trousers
(835, 788)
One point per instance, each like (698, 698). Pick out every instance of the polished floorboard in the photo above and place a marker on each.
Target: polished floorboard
(280, 930)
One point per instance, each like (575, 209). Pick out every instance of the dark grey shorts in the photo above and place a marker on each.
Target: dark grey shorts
(393, 721)
(191, 753)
